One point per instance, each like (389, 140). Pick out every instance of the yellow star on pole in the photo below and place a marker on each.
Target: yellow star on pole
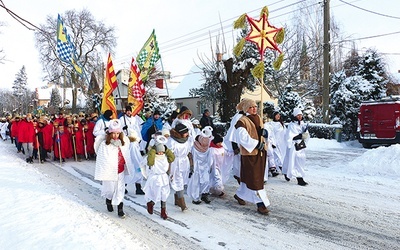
(263, 34)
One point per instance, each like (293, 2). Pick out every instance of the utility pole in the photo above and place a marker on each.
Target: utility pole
(326, 48)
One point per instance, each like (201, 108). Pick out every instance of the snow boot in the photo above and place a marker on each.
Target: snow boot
(239, 200)
(274, 172)
(204, 197)
(139, 189)
(150, 206)
(120, 211)
(196, 202)
(262, 209)
(29, 160)
(109, 206)
(176, 199)
(126, 190)
(164, 210)
(182, 204)
(237, 179)
(286, 178)
(301, 182)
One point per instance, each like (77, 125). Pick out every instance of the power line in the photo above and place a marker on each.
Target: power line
(370, 11)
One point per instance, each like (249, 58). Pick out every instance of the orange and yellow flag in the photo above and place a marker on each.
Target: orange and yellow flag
(110, 83)
(135, 89)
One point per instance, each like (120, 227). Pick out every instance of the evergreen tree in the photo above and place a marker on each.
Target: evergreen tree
(55, 99)
(20, 83)
(372, 69)
(287, 102)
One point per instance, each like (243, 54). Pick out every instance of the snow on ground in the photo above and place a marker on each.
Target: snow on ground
(348, 187)
(35, 213)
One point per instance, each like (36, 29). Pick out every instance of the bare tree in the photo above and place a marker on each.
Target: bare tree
(90, 37)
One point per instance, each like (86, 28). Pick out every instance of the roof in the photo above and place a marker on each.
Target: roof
(193, 79)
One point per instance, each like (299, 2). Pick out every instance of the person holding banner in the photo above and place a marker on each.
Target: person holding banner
(102, 124)
(251, 138)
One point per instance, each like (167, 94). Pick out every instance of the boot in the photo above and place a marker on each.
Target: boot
(176, 199)
(239, 200)
(126, 190)
(164, 213)
(237, 179)
(139, 189)
(301, 182)
(150, 206)
(204, 197)
(182, 204)
(274, 172)
(164, 210)
(120, 211)
(262, 209)
(286, 178)
(109, 206)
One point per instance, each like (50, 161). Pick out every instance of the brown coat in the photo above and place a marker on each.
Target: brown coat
(252, 163)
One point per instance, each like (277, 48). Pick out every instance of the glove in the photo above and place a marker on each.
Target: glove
(305, 136)
(125, 127)
(264, 133)
(105, 129)
(298, 137)
(273, 146)
(260, 145)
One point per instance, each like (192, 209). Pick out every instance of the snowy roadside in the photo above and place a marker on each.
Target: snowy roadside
(342, 208)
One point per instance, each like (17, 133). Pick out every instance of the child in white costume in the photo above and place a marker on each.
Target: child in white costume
(112, 164)
(219, 171)
(198, 184)
(180, 144)
(157, 185)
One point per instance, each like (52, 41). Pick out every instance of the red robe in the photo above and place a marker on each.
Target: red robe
(79, 142)
(26, 132)
(64, 139)
(90, 138)
(47, 131)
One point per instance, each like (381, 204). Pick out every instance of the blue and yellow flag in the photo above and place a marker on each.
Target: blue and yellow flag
(65, 48)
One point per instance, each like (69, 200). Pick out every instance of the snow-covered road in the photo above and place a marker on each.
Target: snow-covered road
(342, 208)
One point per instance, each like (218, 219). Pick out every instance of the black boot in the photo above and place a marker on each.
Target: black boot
(109, 206)
(204, 197)
(120, 211)
(301, 182)
(286, 178)
(139, 189)
(126, 190)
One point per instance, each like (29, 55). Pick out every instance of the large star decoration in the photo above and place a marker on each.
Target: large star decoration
(263, 34)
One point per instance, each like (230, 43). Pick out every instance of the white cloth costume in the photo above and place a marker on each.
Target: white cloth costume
(106, 170)
(219, 172)
(294, 163)
(231, 159)
(157, 185)
(199, 183)
(133, 130)
(180, 167)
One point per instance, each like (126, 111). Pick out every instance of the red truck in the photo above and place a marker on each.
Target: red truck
(379, 122)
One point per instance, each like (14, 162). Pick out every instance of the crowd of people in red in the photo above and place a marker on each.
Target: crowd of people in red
(58, 137)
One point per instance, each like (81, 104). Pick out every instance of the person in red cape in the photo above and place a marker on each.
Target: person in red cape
(62, 143)
(90, 137)
(26, 136)
(79, 146)
(45, 133)
(14, 132)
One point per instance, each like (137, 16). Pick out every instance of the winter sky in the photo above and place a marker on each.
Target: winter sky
(183, 27)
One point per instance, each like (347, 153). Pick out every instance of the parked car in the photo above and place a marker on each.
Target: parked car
(379, 122)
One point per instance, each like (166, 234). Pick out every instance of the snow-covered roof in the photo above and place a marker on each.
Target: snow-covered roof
(44, 94)
(192, 80)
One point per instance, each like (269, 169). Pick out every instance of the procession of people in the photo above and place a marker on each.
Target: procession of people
(178, 154)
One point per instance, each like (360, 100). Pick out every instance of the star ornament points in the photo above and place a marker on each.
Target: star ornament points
(263, 34)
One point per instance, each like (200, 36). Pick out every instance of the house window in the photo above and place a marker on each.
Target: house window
(179, 105)
(201, 106)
